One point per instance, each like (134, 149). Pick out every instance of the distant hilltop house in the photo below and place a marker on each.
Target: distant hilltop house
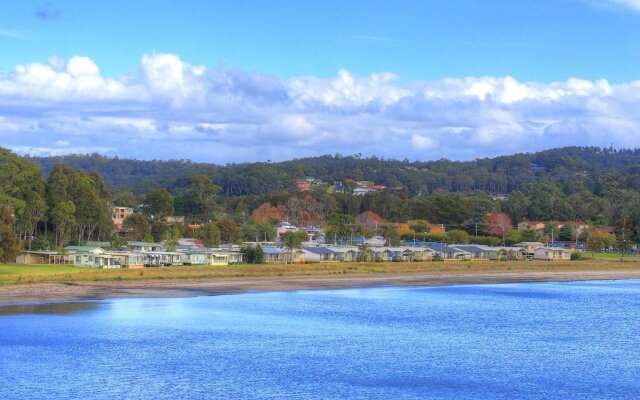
(539, 226)
(366, 187)
(604, 229)
(304, 185)
(313, 233)
(119, 214)
(174, 219)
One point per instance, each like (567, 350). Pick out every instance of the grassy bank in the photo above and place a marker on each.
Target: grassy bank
(11, 274)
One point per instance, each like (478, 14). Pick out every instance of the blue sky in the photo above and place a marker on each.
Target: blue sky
(248, 80)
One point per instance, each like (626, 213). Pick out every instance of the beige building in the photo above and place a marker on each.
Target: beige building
(539, 226)
(119, 214)
(551, 254)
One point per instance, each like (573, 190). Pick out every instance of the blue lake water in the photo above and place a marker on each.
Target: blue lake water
(533, 341)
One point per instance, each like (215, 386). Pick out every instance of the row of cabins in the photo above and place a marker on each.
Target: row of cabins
(141, 254)
(138, 255)
(431, 252)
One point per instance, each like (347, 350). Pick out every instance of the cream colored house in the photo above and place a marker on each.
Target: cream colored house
(43, 257)
(551, 254)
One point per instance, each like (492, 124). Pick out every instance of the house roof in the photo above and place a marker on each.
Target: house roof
(552, 249)
(135, 243)
(271, 250)
(318, 250)
(338, 249)
(473, 248)
(43, 252)
(444, 248)
(83, 248)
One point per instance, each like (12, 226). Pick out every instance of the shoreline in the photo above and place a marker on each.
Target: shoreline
(54, 292)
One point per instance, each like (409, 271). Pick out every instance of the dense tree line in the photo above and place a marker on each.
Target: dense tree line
(573, 169)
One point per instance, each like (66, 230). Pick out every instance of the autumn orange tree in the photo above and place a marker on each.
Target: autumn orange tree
(497, 224)
(268, 213)
(369, 220)
(307, 210)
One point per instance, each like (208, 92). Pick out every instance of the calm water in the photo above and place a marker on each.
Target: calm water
(536, 341)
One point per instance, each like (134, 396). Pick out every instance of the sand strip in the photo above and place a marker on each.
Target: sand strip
(66, 291)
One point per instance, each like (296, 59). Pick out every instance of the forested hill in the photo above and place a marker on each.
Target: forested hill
(573, 168)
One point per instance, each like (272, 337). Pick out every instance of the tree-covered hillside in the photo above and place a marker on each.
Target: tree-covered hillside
(572, 168)
(70, 200)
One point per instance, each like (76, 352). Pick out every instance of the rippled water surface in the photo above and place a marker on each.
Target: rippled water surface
(535, 341)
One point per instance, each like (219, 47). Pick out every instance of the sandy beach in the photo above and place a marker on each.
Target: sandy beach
(82, 290)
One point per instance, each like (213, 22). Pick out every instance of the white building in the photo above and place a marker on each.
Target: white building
(551, 253)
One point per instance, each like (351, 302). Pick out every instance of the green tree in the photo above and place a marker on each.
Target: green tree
(391, 235)
(530, 235)
(40, 243)
(210, 234)
(258, 255)
(22, 189)
(456, 236)
(599, 241)
(512, 237)
(548, 202)
(158, 203)
(125, 199)
(171, 237)
(517, 205)
(443, 208)
(87, 194)
(118, 242)
(158, 229)
(552, 231)
(62, 216)
(9, 245)
(419, 226)
(253, 255)
(229, 230)
(567, 233)
(136, 227)
(340, 225)
(199, 198)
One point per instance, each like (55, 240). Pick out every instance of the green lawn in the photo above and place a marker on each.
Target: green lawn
(611, 255)
(11, 274)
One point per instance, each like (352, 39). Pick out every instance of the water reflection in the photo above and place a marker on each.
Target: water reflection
(71, 307)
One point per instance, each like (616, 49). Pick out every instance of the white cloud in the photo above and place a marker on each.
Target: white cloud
(11, 34)
(167, 108)
(423, 142)
(634, 4)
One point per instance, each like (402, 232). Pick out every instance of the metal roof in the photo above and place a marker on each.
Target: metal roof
(271, 250)
(319, 250)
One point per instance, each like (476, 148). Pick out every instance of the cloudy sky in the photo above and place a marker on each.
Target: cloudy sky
(249, 80)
